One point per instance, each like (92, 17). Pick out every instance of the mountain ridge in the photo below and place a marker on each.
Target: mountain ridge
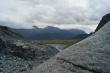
(51, 33)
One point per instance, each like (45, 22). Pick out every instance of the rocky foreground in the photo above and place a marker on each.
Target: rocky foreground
(18, 55)
(91, 55)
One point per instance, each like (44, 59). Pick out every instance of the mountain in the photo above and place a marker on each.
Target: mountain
(105, 19)
(92, 55)
(51, 33)
(18, 55)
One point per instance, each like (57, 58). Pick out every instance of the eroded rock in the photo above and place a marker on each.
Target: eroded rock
(91, 55)
(18, 55)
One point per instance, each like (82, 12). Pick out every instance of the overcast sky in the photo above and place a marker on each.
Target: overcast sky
(65, 14)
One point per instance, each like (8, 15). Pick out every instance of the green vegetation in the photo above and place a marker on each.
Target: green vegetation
(65, 42)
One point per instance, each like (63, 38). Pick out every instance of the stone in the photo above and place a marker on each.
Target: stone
(105, 19)
(91, 55)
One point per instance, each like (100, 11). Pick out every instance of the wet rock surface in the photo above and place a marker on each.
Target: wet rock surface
(91, 55)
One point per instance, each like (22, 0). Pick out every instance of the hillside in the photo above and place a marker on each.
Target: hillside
(91, 55)
(18, 55)
(9, 33)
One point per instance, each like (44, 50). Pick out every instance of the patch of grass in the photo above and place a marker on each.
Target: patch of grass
(65, 42)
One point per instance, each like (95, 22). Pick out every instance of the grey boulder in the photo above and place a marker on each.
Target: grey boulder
(91, 55)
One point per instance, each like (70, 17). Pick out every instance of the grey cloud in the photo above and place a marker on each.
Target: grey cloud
(56, 12)
(98, 8)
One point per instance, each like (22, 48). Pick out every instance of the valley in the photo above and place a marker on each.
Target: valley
(63, 42)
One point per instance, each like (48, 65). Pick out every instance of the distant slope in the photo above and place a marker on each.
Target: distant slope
(8, 33)
(51, 33)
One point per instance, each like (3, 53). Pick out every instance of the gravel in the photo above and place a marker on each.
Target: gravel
(18, 55)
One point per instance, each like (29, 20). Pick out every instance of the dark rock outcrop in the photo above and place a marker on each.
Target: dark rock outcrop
(18, 55)
(103, 21)
(91, 55)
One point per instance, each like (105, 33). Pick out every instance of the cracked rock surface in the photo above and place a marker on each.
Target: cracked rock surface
(91, 55)
(18, 55)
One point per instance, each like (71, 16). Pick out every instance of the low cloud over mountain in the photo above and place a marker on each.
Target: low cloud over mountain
(51, 33)
(26, 13)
